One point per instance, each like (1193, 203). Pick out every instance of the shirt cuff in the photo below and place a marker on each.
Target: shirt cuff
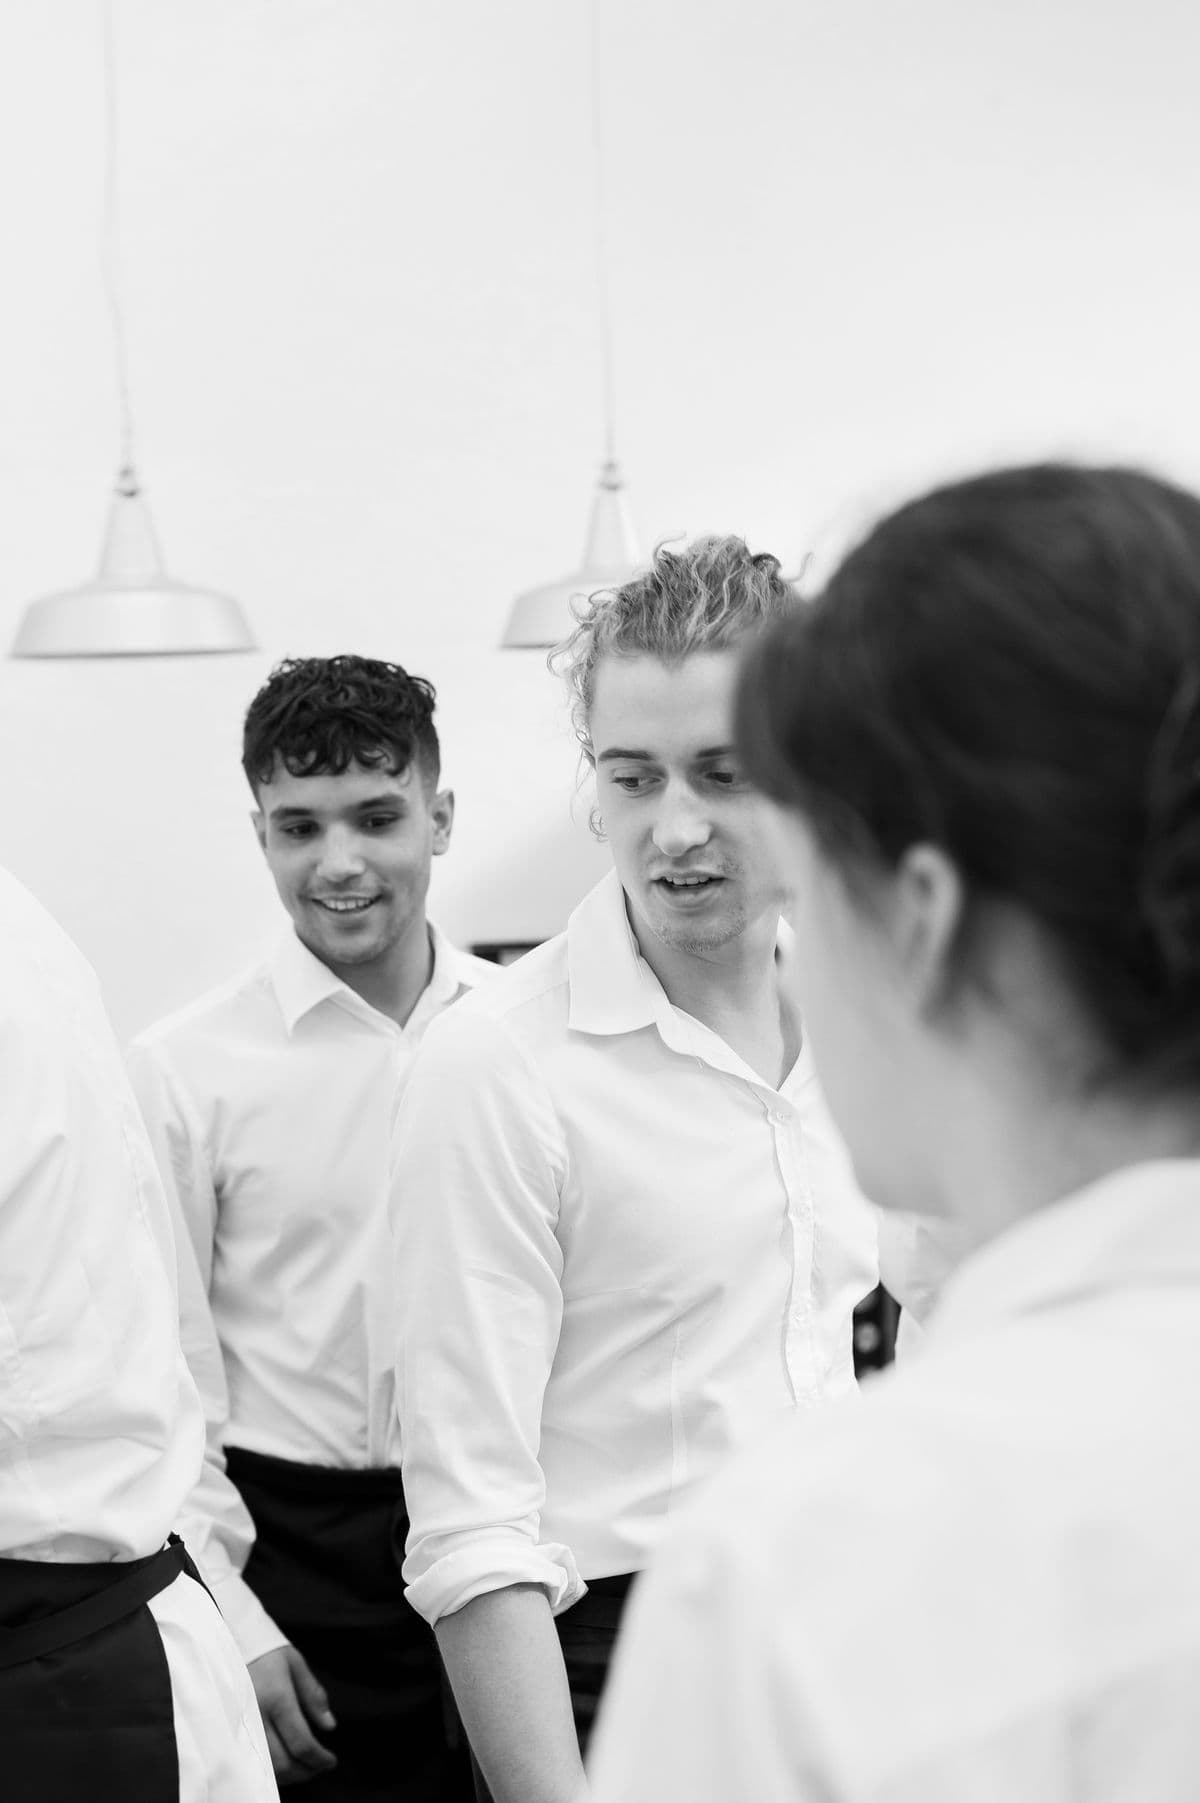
(245, 1617)
(458, 1577)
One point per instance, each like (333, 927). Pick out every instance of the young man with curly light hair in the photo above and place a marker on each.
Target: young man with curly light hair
(631, 1233)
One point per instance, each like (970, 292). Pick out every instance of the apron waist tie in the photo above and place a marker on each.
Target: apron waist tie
(135, 1583)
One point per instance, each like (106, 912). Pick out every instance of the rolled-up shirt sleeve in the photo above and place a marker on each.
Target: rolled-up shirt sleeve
(478, 1163)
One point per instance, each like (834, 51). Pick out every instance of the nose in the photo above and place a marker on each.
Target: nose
(341, 857)
(681, 822)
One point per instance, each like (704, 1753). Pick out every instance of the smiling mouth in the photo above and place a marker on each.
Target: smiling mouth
(345, 904)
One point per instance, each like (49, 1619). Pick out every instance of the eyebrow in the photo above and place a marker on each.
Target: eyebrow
(649, 757)
(371, 805)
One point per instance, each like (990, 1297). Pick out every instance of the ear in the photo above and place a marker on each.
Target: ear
(928, 901)
(258, 822)
(441, 812)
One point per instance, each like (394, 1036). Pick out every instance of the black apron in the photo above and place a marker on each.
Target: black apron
(587, 1633)
(325, 1566)
(85, 1691)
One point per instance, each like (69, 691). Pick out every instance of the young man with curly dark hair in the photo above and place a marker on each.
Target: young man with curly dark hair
(270, 1102)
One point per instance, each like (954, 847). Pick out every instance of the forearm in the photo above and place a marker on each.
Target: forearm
(506, 1669)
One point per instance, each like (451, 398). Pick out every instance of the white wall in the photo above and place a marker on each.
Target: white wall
(852, 246)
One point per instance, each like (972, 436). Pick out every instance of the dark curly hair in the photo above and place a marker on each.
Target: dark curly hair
(318, 715)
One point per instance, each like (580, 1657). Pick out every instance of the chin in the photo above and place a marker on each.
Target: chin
(348, 950)
(709, 937)
(353, 956)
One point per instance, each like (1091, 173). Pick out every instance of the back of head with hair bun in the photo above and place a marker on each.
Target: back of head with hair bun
(1009, 668)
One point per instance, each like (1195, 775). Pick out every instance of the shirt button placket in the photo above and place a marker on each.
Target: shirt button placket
(799, 1211)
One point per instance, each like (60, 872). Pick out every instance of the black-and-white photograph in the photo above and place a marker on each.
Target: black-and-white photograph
(600, 901)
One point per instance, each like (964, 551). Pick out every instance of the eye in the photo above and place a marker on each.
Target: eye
(378, 823)
(633, 779)
(302, 829)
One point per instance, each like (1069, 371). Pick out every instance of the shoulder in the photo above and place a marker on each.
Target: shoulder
(840, 1567)
(34, 949)
(471, 971)
(489, 1057)
(525, 995)
(223, 1011)
(189, 1064)
(851, 1502)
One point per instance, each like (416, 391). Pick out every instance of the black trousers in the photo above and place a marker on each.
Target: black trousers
(324, 1568)
(587, 1633)
(86, 1708)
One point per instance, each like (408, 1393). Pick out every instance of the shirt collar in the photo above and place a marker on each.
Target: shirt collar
(452, 975)
(608, 993)
(1135, 1228)
(302, 982)
(612, 989)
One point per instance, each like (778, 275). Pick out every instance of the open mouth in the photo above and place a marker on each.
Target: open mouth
(690, 888)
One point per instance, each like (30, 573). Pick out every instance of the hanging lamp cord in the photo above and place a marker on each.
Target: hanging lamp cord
(600, 210)
(110, 255)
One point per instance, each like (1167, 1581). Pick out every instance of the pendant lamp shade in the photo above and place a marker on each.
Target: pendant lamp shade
(541, 617)
(131, 608)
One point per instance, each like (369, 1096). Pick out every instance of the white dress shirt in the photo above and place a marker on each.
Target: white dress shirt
(270, 1104)
(982, 1585)
(619, 1250)
(101, 1429)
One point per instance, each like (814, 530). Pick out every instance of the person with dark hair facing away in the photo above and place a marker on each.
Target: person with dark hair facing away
(270, 1104)
(983, 746)
(630, 1229)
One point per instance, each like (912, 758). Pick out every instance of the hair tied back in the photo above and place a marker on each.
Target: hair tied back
(1170, 888)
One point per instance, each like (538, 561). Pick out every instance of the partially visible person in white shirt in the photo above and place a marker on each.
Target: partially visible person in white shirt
(626, 1231)
(270, 1103)
(983, 744)
(118, 1677)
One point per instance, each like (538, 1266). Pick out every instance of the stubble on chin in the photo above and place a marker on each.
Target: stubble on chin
(331, 948)
(698, 941)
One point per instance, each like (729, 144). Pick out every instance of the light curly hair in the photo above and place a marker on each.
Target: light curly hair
(702, 597)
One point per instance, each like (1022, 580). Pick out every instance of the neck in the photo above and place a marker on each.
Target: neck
(733, 990)
(1008, 1163)
(393, 983)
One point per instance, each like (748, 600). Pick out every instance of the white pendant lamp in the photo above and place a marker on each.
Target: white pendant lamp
(540, 617)
(131, 608)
